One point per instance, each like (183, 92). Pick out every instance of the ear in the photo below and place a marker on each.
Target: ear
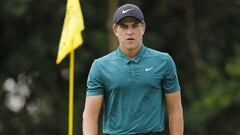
(114, 28)
(143, 28)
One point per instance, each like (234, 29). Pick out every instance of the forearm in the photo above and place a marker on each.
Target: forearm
(90, 125)
(176, 124)
(91, 114)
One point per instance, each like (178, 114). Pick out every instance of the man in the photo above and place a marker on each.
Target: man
(133, 84)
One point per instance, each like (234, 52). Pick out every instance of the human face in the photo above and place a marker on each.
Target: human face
(129, 32)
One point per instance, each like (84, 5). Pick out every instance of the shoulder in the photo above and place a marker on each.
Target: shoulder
(105, 59)
(157, 54)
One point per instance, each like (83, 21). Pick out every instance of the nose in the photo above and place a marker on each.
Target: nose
(129, 31)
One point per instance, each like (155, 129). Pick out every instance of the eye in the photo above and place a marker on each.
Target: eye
(123, 26)
(135, 25)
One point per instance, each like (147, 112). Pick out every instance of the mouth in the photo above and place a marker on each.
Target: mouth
(130, 39)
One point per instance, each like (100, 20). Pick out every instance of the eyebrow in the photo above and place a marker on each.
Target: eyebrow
(134, 23)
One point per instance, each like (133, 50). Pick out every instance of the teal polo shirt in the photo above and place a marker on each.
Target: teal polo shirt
(133, 90)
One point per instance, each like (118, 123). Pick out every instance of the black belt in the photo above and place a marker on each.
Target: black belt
(150, 133)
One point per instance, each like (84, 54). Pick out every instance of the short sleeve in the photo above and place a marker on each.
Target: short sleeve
(170, 81)
(94, 81)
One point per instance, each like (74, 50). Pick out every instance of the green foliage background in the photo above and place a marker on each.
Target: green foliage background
(202, 37)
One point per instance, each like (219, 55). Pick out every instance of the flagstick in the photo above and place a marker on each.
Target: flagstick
(71, 86)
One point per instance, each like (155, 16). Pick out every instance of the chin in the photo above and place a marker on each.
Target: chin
(131, 48)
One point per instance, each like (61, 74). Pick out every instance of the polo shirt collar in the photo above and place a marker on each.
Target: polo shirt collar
(136, 59)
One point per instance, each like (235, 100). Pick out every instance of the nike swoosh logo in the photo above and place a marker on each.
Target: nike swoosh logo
(125, 11)
(148, 69)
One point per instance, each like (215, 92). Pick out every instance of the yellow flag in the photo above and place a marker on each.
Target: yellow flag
(71, 37)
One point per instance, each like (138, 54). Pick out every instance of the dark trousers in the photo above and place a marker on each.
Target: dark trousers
(151, 133)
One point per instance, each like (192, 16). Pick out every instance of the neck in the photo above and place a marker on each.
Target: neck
(131, 53)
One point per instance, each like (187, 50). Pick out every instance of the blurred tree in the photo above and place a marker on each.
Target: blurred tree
(112, 42)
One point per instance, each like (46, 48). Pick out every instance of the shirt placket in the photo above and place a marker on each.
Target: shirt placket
(132, 70)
